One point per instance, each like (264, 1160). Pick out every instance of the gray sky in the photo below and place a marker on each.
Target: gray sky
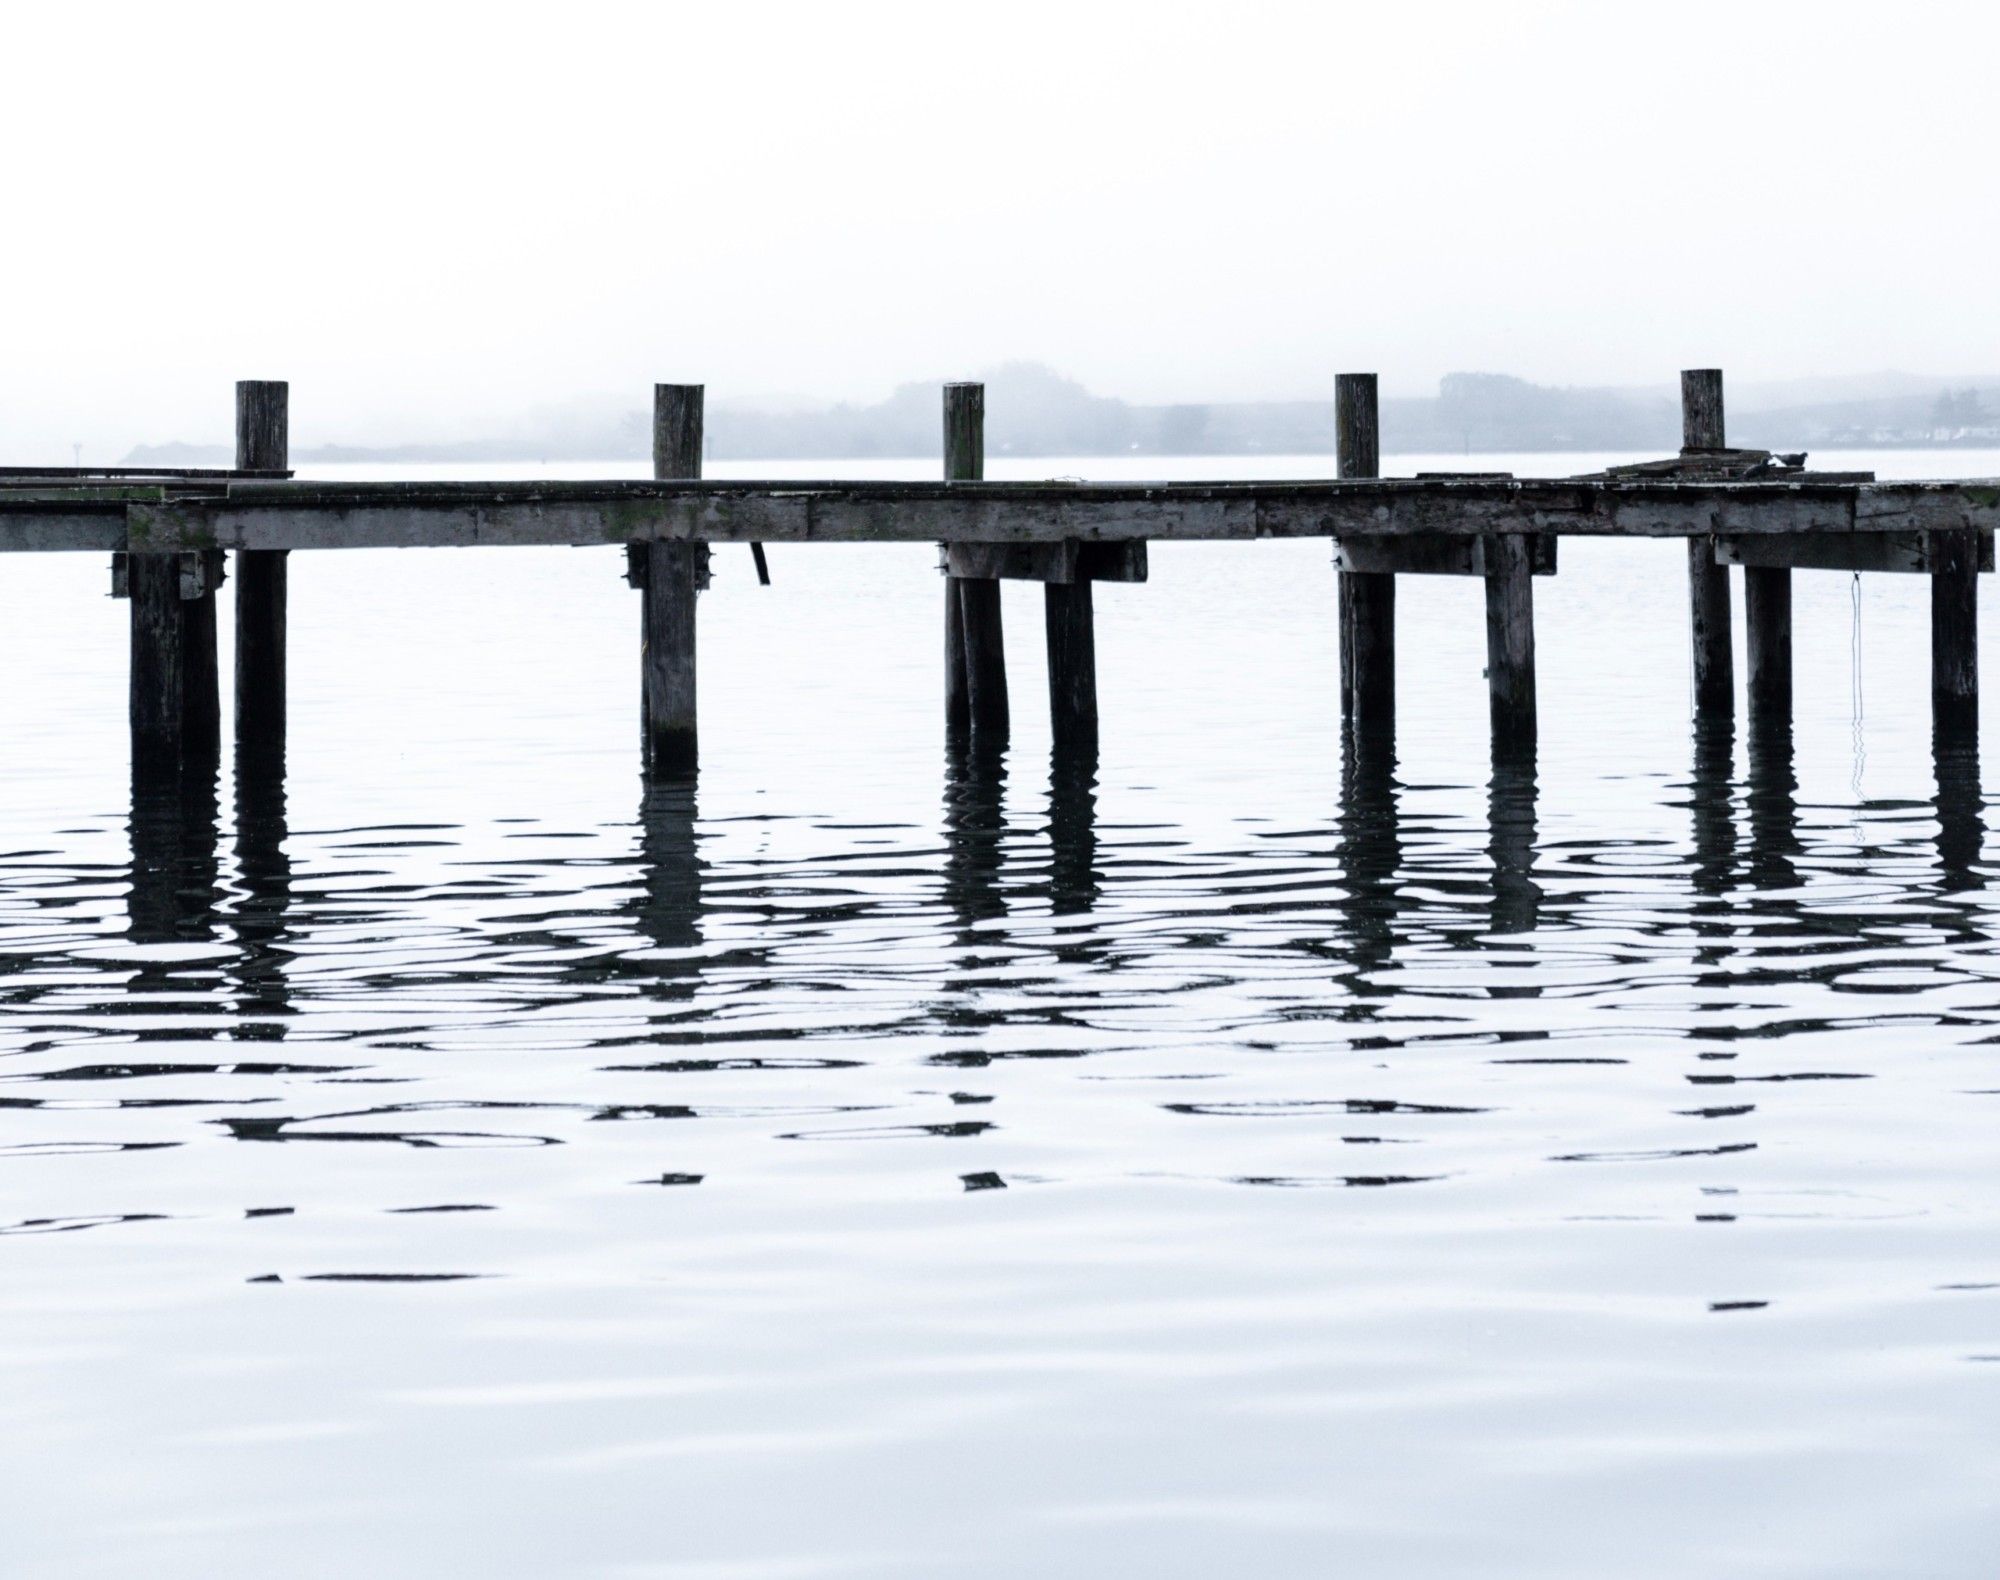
(432, 218)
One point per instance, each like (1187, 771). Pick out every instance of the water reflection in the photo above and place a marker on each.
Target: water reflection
(1960, 807)
(1510, 815)
(1073, 877)
(175, 874)
(975, 831)
(260, 913)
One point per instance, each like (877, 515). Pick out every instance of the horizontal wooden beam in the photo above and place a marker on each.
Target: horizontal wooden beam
(1057, 563)
(1432, 554)
(295, 515)
(1856, 551)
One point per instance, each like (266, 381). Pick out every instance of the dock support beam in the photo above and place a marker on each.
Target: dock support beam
(157, 701)
(671, 575)
(975, 649)
(1702, 428)
(1954, 558)
(1510, 642)
(1767, 620)
(263, 423)
(1367, 599)
(1072, 637)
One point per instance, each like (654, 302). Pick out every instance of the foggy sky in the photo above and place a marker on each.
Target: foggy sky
(431, 218)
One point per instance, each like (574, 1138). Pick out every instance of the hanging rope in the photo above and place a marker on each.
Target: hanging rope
(1854, 687)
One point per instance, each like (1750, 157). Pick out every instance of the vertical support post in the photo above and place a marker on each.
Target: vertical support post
(157, 704)
(1367, 601)
(1510, 642)
(263, 443)
(1767, 619)
(1072, 638)
(1954, 562)
(976, 695)
(672, 574)
(1708, 583)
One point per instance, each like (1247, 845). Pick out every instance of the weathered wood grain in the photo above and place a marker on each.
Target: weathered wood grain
(263, 441)
(1433, 554)
(1954, 568)
(1510, 642)
(1851, 551)
(1068, 561)
(1072, 647)
(1702, 423)
(674, 574)
(1367, 600)
(1767, 619)
(1709, 619)
(156, 702)
(976, 695)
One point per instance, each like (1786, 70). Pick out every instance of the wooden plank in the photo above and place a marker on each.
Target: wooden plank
(1854, 551)
(306, 515)
(263, 440)
(1068, 561)
(1433, 554)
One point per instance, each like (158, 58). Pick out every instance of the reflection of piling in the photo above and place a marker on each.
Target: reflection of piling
(1961, 812)
(1073, 881)
(1771, 803)
(671, 869)
(175, 871)
(1368, 850)
(1510, 811)
(261, 913)
(975, 827)
(1710, 787)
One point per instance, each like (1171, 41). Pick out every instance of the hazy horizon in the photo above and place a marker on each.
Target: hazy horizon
(431, 227)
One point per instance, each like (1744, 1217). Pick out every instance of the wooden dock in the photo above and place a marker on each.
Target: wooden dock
(172, 534)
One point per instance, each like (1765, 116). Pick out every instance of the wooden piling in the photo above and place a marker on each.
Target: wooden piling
(1510, 641)
(1702, 428)
(1072, 639)
(1367, 600)
(263, 442)
(673, 575)
(1954, 562)
(1767, 620)
(975, 643)
(157, 704)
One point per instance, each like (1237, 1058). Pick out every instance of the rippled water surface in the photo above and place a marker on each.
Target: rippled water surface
(446, 1157)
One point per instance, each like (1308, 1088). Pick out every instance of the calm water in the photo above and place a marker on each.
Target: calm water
(449, 1160)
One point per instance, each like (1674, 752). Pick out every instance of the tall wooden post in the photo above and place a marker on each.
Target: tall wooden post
(263, 442)
(1954, 563)
(1767, 621)
(1510, 642)
(1072, 639)
(1708, 583)
(157, 703)
(1367, 600)
(975, 643)
(672, 573)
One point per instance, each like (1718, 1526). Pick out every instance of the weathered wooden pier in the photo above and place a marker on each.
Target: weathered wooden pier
(171, 534)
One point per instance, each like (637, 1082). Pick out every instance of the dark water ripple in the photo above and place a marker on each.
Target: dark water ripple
(1099, 1174)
